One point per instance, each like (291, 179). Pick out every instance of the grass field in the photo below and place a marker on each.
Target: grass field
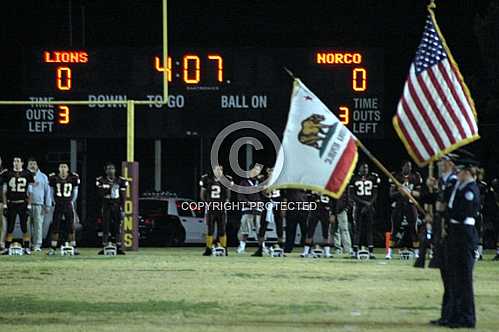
(177, 289)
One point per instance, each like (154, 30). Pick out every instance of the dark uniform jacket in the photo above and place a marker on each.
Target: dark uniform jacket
(324, 202)
(464, 203)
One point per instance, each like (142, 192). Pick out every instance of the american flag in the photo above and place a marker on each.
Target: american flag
(435, 114)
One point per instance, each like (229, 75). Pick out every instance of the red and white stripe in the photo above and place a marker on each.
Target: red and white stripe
(434, 113)
(342, 167)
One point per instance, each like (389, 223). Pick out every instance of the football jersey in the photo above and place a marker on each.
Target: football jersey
(63, 187)
(111, 189)
(323, 201)
(17, 184)
(296, 195)
(215, 190)
(411, 182)
(273, 195)
(365, 187)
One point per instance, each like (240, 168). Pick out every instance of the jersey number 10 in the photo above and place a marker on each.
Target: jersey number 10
(64, 190)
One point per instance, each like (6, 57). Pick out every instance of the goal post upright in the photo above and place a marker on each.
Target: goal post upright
(130, 131)
(165, 52)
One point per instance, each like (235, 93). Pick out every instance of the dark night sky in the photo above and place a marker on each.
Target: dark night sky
(394, 25)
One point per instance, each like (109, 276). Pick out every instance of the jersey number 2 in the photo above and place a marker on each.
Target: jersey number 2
(215, 191)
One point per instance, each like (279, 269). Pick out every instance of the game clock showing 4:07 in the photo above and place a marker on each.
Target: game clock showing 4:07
(204, 84)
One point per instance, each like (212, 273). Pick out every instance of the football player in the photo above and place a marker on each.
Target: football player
(295, 216)
(17, 202)
(214, 192)
(271, 211)
(405, 213)
(323, 215)
(64, 187)
(111, 189)
(274, 198)
(364, 192)
(251, 212)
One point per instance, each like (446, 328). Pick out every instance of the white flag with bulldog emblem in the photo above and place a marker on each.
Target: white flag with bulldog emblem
(318, 152)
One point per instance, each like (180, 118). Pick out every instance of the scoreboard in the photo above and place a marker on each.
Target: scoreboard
(208, 88)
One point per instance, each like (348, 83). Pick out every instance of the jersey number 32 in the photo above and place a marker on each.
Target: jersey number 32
(364, 188)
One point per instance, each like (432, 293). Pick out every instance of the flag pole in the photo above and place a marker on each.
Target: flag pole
(432, 5)
(407, 194)
(431, 172)
(290, 73)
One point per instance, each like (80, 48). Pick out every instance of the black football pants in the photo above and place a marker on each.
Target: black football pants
(14, 210)
(63, 210)
(293, 219)
(363, 226)
(217, 218)
(315, 216)
(277, 221)
(111, 219)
